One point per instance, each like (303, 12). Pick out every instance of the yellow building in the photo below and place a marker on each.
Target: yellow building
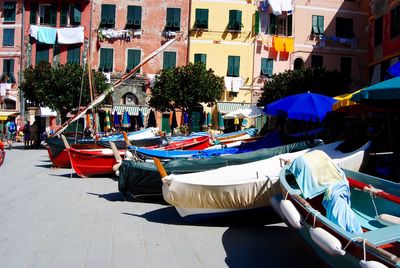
(222, 36)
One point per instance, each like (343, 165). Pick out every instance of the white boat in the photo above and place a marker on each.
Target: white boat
(240, 187)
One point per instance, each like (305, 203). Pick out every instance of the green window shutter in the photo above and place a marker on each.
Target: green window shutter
(315, 29)
(110, 60)
(138, 16)
(64, 15)
(173, 22)
(169, 59)
(321, 24)
(9, 11)
(76, 14)
(111, 16)
(272, 24)
(236, 66)
(103, 58)
(235, 20)
(8, 69)
(201, 18)
(8, 37)
(33, 14)
(270, 66)
(256, 22)
(200, 58)
(230, 65)
(74, 55)
(232, 16)
(53, 15)
(238, 20)
(134, 17)
(42, 53)
(170, 17)
(133, 59)
(177, 18)
(289, 25)
(104, 15)
(107, 16)
(264, 66)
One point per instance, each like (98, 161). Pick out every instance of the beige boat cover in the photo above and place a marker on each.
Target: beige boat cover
(242, 186)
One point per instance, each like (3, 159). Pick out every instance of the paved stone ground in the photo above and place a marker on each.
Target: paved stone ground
(50, 218)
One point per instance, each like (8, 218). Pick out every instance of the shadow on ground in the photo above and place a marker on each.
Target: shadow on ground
(266, 246)
(70, 175)
(169, 215)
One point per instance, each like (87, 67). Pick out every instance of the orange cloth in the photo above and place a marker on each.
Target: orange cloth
(283, 44)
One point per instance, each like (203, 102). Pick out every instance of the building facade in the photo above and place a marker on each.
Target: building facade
(10, 58)
(384, 38)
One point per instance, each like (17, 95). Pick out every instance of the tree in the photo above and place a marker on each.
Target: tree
(59, 87)
(315, 80)
(185, 87)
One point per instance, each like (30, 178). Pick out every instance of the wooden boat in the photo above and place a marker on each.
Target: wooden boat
(195, 143)
(234, 188)
(368, 233)
(90, 162)
(143, 178)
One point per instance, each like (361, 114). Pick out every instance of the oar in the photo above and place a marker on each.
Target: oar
(116, 155)
(128, 143)
(160, 167)
(368, 188)
(66, 144)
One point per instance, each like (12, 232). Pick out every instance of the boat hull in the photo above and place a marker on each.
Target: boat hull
(61, 160)
(88, 163)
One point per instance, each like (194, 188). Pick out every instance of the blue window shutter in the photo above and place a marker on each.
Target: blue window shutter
(8, 37)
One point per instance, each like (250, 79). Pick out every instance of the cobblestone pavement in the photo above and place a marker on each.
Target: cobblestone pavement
(51, 218)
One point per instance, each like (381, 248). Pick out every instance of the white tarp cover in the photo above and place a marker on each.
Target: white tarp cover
(243, 186)
(251, 112)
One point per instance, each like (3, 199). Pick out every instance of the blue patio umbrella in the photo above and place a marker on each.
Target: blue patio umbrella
(387, 90)
(117, 122)
(126, 120)
(140, 119)
(185, 118)
(304, 106)
(394, 70)
(221, 124)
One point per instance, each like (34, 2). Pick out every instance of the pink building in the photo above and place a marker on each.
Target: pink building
(317, 33)
(10, 58)
(384, 38)
(124, 32)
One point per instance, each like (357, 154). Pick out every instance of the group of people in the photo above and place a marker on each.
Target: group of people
(9, 132)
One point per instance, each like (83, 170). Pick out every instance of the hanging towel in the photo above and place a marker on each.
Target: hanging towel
(275, 6)
(152, 78)
(286, 5)
(33, 31)
(2, 89)
(47, 35)
(70, 35)
(288, 44)
(278, 44)
(237, 83)
(228, 82)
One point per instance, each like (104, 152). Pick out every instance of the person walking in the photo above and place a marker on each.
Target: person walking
(27, 135)
(11, 130)
(34, 135)
(1, 130)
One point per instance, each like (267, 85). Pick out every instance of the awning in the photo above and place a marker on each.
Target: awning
(131, 109)
(5, 114)
(227, 107)
(46, 112)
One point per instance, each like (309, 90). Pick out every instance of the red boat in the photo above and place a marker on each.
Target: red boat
(2, 153)
(60, 159)
(90, 162)
(196, 143)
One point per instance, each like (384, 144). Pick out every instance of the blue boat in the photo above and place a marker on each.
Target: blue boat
(348, 218)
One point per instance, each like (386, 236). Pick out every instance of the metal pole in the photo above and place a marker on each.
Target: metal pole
(20, 77)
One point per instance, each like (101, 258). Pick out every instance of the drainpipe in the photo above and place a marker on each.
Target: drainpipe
(21, 97)
(189, 32)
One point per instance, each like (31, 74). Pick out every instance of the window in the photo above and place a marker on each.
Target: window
(70, 15)
(298, 64)
(235, 20)
(42, 53)
(317, 25)
(201, 18)
(378, 31)
(344, 28)
(200, 58)
(74, 55)
(395, 22)
(233, 66)
(173, 22)
(280, 25)
(106, 60)
(8, 37)
(169, 60)
(345, 66)
(134, 57)
(134, 17)
(107, 16)
(8, 70)
(9, 11)
(267, 66)
(48, 14)
(317, 61)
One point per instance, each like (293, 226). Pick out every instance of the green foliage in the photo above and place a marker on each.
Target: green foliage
(315, 80)
(59, 87)
(186, 86)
